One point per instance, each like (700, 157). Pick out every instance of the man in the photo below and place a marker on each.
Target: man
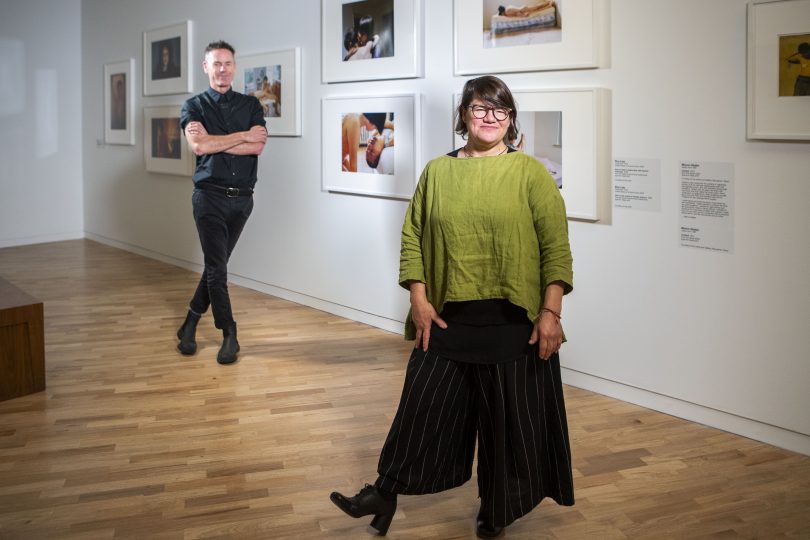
(380, 152)
(226, 131)
(802, 57)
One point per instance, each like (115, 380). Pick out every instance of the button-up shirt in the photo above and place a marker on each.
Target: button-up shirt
(222, 114)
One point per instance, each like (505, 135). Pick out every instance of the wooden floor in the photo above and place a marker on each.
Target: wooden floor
(132, 440)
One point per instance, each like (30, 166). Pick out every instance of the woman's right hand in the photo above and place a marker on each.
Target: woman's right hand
(423, 314)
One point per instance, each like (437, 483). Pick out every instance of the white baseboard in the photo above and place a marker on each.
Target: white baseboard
(41, 239)
(745, 427)
(773, 435)
(370, 319)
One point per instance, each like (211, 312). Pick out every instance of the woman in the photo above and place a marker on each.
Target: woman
(486, 258)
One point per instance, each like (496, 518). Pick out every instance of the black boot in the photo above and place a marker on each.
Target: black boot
(368, 501)
(187, 334)
(227, 353)
(484, 529)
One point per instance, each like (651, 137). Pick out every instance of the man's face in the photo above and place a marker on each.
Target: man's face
(373, 151)
(220, 66)
(362, 38)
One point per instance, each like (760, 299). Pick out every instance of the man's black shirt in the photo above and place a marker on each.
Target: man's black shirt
(222, 114)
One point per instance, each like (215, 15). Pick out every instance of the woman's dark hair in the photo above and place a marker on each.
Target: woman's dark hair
(376, 118)
(366, 25)
(349, 39)
(492, 91)
(501, 10)
(804, 47)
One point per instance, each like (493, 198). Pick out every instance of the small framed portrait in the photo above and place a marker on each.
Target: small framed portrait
(371, 39)
(779, 69)
(167, 60)
(274, 78)
(164, 145)
(119, 90)
(491, 36)
(568, 131)
(370, 145)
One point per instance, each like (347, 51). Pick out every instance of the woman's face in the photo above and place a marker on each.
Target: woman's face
(485, 131)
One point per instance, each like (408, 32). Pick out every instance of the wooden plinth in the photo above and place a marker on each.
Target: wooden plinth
(22, 343)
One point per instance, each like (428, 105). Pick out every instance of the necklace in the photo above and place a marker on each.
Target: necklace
(468, 154)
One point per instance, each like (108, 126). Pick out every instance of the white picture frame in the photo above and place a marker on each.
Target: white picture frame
(283, 70)
(172, 76)
(119, 96)
(578, 41)
(164, 144)
(773, 27)
(405, 112)
(406, 45)
(584, 141)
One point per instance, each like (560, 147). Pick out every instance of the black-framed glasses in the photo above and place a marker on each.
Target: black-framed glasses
(480, 112)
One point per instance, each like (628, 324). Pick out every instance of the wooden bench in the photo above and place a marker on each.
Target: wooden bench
(22, 343)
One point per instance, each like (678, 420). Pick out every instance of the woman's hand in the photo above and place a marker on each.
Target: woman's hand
(423, 314)
(548, 328)
(548, 331)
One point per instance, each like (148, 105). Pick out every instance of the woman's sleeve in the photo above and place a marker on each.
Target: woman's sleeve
(411, 264)
(551, 227)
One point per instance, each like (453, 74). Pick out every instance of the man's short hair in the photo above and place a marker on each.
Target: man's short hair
(214, 45)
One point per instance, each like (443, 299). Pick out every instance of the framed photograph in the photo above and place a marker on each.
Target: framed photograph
(568, 131)
(164, 145)
(119, 112)
(359, 150)
(779, 69)
(167, 60)
(275, 79)
(491, 36)
(365, 40)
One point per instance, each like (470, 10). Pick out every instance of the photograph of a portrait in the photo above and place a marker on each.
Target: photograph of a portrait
(165, 148)
(367, 142)
(494, 36)
(370, 144)
(529, 23)
(794, 65)
(778, 91)
(274, 78)
(365, 40)
(568, 130)
(119, 90)
(368, 30)
(167, 60)
(165, 137)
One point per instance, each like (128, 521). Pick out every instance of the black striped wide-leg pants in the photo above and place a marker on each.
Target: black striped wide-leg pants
(516, 410)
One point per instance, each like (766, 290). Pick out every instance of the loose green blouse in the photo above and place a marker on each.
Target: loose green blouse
(485, 227)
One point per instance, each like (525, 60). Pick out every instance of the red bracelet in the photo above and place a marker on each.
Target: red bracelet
(556, 314)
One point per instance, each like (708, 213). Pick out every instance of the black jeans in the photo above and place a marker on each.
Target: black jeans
(220, 220)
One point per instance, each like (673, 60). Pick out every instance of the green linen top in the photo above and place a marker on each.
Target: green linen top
(485, 227)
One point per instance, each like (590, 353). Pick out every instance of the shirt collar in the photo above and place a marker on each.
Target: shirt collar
(220, 98)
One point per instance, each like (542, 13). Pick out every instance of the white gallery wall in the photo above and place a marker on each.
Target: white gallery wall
(40, 121)
(713, 337)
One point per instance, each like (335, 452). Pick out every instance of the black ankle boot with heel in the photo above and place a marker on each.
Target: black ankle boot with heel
(485, 529)
(187, 334)
(370, 500)
(230, 346)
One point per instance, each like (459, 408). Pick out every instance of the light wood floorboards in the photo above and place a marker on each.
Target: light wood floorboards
(133, 440)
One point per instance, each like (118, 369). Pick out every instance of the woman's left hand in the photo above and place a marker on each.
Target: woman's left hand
(548, 331)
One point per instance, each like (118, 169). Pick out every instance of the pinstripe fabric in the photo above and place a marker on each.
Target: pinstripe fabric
(516, 410)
